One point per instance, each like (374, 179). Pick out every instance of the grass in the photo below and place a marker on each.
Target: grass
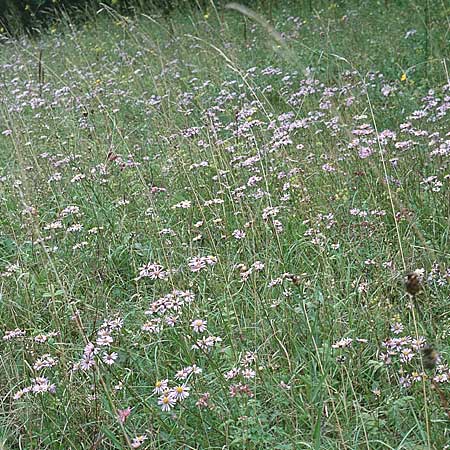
(203, 168)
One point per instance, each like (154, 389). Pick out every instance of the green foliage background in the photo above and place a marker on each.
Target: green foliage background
(18, 16)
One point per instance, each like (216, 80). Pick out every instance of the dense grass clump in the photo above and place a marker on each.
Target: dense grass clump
(207, 224)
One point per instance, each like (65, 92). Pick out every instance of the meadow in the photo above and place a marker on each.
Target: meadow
(227, 228)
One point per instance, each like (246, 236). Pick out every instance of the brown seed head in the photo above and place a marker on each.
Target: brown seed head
(412, 283)
(430, 357)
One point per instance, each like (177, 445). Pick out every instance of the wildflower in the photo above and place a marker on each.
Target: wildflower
(248, 373)
(258, 265)
(78, 177)
(211, 260)
(239, 234)
(185, 204)
(154, 271)
(397, 328)
(152, 326)
(75, 228)
(441, 378)
(405, 381)
(20, 393)
(160, 386)
(87, 362)
(406, 355)
(72, 209)
(171, 320)
(343, 343)
(122, 414)
(416, 376)
(328, 168)
(104, 340)
(180, 392)
(203, 401)
(196, 264)
(195, 369)
(199, 325)
(403, 77)
(41, 385)
(270, 212)
(12, 334)
(138, 441)
(249, 358)
(206, 343)
(167, 402)
(45, 361)
(41, 338)
(239, 388)
(185, 372)
(110, 358)
(232, 373)
(386, 358)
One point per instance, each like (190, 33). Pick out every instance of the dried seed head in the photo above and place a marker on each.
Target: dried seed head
(413, 282)
(430, 357)
(295, 279)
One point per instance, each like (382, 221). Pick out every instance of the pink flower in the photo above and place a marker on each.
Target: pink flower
(123, 414)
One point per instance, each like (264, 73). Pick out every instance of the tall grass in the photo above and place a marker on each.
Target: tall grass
(206, 224)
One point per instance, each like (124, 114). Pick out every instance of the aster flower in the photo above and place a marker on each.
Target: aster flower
(110, 358)
(239, 234)
(167, 402)
(104, 340)
(203, 401)
(196, 264)
(161, 386)
(343, 343)
(180, 392)
(248, 373)
(154, 271)
(199, 325)
(232, 373)
(138, 441)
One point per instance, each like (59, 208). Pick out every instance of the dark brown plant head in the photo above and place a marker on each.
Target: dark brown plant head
(430, 357)
(413, 282)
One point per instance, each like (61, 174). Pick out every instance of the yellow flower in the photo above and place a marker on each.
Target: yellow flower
(403, 77)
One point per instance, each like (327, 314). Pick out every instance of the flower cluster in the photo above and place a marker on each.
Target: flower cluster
(38, 385)
(104, 341)
(198, 263)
